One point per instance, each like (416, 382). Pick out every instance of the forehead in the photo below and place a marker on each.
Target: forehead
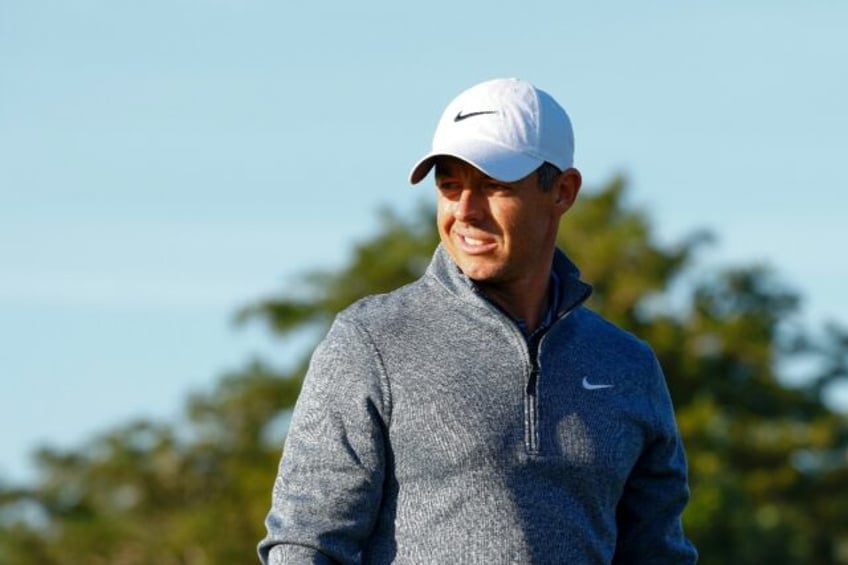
(451, 166)
(446, 166)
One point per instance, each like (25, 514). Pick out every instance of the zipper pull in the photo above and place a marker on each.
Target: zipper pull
(531, 382)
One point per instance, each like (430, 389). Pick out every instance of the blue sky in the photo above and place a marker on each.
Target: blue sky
(163, 163)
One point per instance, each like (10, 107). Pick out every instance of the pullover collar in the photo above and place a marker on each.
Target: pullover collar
(571, 290)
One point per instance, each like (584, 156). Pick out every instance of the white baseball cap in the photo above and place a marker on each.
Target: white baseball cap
(506, 128)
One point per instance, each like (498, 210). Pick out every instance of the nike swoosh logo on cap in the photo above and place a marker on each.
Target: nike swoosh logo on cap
(589, 386)
(460, 116)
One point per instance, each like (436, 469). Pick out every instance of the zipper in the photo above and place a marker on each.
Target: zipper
(531, 392)
(531, 400)
(531, 410)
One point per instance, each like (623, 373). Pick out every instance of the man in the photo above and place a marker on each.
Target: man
(483, 414)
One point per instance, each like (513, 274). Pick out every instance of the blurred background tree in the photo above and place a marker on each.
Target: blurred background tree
(768, 463)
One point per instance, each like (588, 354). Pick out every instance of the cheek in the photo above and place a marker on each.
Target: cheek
(442, 215)
(525, 229)
(444, 221)
(512, 222)
(445, 207)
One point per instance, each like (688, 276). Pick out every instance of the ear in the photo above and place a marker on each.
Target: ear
(566, 188)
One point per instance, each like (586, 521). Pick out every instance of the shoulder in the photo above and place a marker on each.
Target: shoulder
(394, 312)
(604, 337)
(603, 348)
(608, 353)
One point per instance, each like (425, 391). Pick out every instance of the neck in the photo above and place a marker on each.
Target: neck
(527, 302)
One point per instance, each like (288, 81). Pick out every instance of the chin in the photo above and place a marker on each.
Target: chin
(480, 273)
(480, 268)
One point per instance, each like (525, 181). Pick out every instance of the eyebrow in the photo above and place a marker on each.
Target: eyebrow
(446, 176)
(439, 177)
(440, 171)
(446, 168)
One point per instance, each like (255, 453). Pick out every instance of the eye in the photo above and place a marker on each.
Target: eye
(495, 186)
(448, 185)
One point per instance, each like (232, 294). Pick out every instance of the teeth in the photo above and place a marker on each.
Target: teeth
(472, 241)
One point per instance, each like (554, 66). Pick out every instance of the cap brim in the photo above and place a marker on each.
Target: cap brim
(496, 161)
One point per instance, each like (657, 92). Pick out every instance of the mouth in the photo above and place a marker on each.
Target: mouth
(474, 245)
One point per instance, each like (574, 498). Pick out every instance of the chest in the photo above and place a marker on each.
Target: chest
(465, 411)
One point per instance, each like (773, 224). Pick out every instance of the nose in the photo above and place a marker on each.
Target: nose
(469, 206)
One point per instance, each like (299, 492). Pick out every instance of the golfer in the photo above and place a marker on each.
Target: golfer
(483, 414)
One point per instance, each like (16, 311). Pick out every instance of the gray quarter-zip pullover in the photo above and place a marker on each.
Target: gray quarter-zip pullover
(429, 430)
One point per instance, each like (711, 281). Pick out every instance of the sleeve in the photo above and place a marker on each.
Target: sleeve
(329, 485)
(649, 512)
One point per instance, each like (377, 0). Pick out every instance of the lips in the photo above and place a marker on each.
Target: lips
(474, 245)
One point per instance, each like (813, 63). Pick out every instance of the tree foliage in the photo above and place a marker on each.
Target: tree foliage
(768, 464)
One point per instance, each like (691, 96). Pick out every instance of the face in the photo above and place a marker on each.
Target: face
(500, 233)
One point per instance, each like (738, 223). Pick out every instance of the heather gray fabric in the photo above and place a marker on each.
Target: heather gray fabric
(428, 431)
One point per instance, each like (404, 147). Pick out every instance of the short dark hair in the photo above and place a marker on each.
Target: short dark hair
(547, 175)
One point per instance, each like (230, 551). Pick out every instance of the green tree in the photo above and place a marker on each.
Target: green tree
(768, 464)
(194, 493)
